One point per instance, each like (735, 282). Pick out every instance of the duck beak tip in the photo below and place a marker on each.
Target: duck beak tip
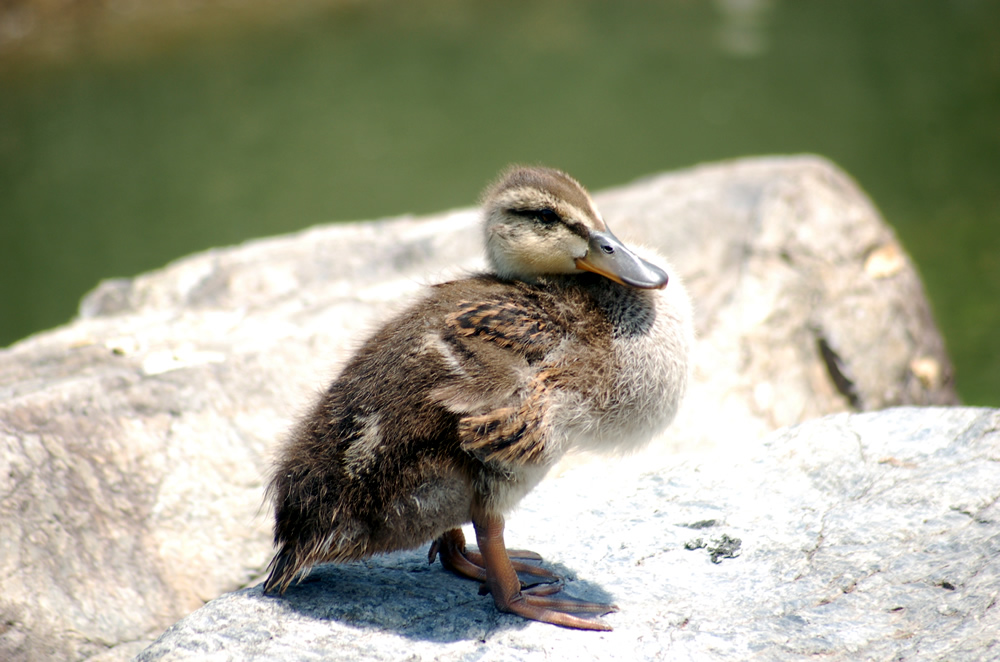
(610, 258)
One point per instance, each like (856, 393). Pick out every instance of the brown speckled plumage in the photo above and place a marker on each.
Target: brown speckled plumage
(457, 407)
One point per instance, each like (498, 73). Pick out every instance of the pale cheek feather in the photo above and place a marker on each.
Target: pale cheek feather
(550, 259)
(519, 252)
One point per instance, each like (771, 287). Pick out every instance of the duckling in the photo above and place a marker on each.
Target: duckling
(458, 406)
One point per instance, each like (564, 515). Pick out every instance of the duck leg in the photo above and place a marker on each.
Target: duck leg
(503, 583)
(464, 563)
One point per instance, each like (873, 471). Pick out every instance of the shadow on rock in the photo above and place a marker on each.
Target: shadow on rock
(402, 593)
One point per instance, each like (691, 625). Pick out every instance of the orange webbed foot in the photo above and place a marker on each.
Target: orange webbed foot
(503, 578)
(450, 547)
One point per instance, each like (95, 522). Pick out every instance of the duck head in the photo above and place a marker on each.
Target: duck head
(540, 222)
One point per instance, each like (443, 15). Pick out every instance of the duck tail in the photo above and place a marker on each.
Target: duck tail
(283, 569)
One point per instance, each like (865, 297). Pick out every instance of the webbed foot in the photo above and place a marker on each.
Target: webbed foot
(470, 564)
(506, 579)
(536, 603)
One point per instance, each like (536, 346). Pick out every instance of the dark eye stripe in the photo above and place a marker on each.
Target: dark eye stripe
(549, 217)
(545, 215)
(542, 214)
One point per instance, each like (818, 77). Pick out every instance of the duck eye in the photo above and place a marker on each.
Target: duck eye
(547, 216)
(607, 248)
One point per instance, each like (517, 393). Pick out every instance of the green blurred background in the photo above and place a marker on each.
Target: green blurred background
(127, 143)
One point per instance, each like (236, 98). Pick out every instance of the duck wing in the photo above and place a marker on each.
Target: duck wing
(504, 353)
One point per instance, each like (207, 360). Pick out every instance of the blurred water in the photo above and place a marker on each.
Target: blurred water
(114, 164)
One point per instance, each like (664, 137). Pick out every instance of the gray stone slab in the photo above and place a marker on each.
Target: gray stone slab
(862, 537)
(135, 441)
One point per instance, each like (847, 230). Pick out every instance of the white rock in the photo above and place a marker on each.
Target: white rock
(134, 442)
(864, 536)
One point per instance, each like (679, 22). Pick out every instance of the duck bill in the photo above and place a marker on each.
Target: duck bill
(609, 257)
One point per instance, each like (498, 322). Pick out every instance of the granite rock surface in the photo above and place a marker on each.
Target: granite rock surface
(853, 537)
(135, 441)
